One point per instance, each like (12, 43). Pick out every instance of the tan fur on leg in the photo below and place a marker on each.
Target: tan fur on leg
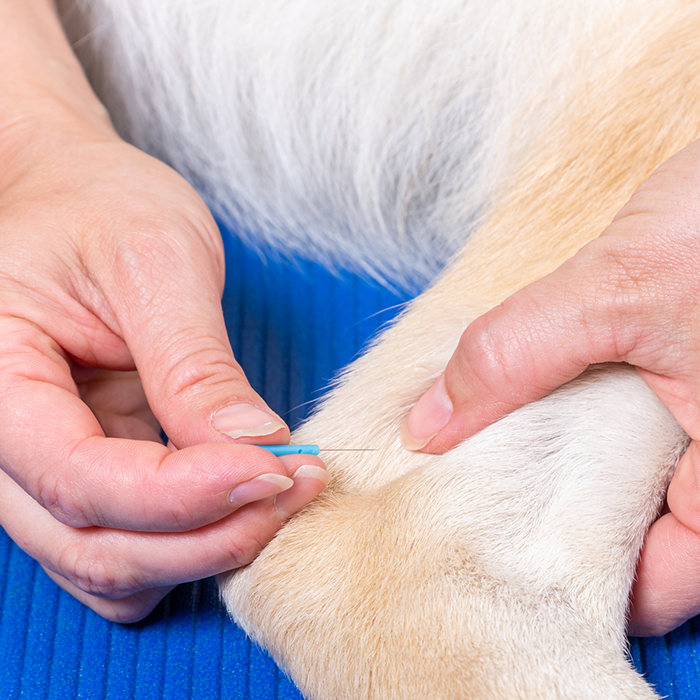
(502, 569)
(379, 133)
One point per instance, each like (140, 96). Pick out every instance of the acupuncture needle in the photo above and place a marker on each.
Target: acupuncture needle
(280, 450)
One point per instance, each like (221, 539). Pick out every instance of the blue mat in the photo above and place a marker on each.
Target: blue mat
(292, 328)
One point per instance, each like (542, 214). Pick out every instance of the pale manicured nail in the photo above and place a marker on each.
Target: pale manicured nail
(245, 420)
(295, 499)
(427, 418)
(256, 489)
(308, 471)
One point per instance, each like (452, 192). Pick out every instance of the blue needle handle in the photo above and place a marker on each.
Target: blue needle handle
(280, 450)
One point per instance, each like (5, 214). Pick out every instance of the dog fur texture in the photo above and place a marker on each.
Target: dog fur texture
(381, 136)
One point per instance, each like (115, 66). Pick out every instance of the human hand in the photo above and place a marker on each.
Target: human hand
(628, 296)
(110, 263)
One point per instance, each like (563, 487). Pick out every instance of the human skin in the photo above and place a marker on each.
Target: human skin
(628, 296)
(111, 275)
(112, 263)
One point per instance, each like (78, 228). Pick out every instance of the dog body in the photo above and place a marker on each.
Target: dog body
(383, 135)
(374, 135)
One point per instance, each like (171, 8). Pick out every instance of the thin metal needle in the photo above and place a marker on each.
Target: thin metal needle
(280, 450)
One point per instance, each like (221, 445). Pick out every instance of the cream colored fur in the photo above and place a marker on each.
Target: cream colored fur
(384, 131)
(373, 134)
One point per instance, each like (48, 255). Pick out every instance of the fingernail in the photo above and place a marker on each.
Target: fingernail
(245, 420)
(256, 489)
(427, 418)
(295, 499)
(308, 471)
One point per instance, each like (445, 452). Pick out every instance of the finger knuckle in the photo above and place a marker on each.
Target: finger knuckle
(624, 273)
(95, 572)
(490, 346)
(242, 548)
(483, 348)
(616, 288)
(61, 500)
(179, 517)
(194, 369)
(20, 339)
(621, 271)
(148, 244)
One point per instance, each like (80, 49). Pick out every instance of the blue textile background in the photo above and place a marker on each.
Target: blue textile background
(292, 328)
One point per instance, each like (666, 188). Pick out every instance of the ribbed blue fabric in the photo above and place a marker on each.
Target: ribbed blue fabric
(292, 328)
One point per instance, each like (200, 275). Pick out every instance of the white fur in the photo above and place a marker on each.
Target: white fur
(377, 135)
(370, 135)
(499, 570)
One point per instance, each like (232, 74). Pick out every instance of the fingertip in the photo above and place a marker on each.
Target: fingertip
(247, 421)
(259, 488)
(665, 592)
(164, 489)
(683, 495)
(128, 610)
(292, 463)
(310, 479)
(427, 418)
(311, 471)
(436, 423)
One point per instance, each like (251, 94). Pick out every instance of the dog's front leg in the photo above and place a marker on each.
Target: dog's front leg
(502, 569)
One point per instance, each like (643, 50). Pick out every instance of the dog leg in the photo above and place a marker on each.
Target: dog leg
(501, 569)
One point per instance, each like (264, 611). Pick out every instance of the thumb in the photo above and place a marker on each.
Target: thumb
(175, 330)
(541, 337)
(665, 592)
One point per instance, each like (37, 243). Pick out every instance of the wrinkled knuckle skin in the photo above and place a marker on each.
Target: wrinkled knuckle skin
(621, 272)
(482, 349)
(180, 517)
(190, 373)
(242, 549)
(94, 572)
(59, 499)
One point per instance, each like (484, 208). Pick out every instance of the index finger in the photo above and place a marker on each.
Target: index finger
(54, 447)
(516, 353)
